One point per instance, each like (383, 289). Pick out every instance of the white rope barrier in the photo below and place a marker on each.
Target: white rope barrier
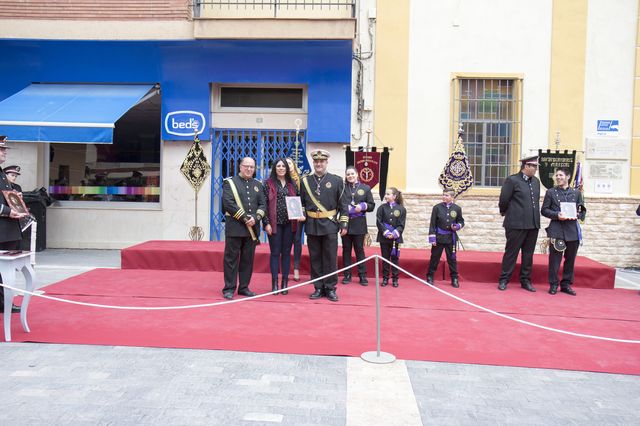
(201, 305)
(228, 302)
(505, 316)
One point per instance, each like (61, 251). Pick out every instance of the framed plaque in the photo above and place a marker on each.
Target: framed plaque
(569, 210)
(294, 208)
(15, 201)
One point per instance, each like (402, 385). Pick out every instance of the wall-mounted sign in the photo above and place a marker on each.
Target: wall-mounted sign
(607, 149)
(602, 186)
(605, 169)
(607, 127)
(184, 123)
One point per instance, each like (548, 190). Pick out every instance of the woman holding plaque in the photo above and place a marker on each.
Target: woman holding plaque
(360, 202)
(564, 206)
(276, 223)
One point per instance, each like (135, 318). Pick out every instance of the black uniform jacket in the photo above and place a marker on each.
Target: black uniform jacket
(520, 202)
(563, 229)
(331, 198)
(253, 206)
(443, 217)
(394, 216)
(9, 228)
(357, 194)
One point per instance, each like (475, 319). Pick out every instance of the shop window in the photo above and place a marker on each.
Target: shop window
(261, 97)
(126, 171)
(489, 110)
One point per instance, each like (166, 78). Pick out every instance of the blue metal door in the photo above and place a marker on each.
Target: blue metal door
(229, 147)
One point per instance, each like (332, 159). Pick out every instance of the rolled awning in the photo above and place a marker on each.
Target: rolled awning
(75, 113)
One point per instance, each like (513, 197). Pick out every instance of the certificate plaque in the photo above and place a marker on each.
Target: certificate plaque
(15, 201)
(294, 208)
(569, 210)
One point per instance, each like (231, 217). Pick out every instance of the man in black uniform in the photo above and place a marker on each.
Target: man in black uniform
(243, 204)
(520, 205)
(446, 220)
(10, 235)
(563, 231)
(327, 212)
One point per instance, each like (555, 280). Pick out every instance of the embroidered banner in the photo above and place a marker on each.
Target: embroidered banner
(368, 166)
(550, 161)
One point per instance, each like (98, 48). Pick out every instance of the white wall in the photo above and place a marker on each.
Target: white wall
(481, 36)
(117, 225)
(609, 76)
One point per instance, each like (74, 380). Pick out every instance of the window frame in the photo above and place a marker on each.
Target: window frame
(217, 103)
(516, 122)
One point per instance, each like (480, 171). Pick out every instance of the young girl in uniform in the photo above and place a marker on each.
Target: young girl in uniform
(390, 220)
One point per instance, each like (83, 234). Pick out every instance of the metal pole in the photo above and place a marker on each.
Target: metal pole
(377, 356)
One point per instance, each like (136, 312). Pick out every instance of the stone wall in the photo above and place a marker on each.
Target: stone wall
(611, 231)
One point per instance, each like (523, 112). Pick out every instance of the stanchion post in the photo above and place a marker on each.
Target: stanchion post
(377, 356)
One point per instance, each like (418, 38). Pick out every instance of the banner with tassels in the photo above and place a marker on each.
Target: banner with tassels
(297, 153)
(456, 174)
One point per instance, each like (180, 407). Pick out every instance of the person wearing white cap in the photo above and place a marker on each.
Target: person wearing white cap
(520, 205)
(10, 235)
(327, 213)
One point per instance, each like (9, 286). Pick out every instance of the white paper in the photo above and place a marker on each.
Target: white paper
(569, 210)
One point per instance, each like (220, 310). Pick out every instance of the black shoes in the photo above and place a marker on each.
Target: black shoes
(394, 282)
(455, 283)
(347, 278)
(332, 296)
(527, 286)
(502, 285)
(568, 290)
(14, 309)
(385, 281)
(247, 293)
(553, 288)
(285, 284)
(316, 294)
(363, 279)
(227, 296)
(274, 285)
(430, 279)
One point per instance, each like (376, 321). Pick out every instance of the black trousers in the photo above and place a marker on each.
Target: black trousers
(357, 243)
(238, 262)
(555, 257)
(519, 240)
(323, 256)
(385, 251)
(4, 246)
(436, 253)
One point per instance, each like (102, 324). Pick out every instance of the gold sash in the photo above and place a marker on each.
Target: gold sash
(316, 202)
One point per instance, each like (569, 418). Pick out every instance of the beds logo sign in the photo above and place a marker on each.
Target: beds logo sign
(608, 127)
(184, 123)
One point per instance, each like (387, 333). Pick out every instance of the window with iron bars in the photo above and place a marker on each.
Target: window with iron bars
(489, 110)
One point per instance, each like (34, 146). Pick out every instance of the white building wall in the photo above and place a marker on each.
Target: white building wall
(479, 36)
(609, 76)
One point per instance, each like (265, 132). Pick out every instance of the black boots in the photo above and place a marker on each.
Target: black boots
(347, 278)
(274, 285)
(385, 281)
(455, 283)
(363, 279)
(394, 282)
(553, 288)
(430, 279)
(285, 283)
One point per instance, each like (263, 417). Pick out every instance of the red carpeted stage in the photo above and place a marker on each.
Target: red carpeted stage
(418, 322)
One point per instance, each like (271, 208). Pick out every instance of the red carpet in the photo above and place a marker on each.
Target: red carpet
(418, 323)
(482, 267)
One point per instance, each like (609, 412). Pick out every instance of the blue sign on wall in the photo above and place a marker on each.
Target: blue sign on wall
(185, 71)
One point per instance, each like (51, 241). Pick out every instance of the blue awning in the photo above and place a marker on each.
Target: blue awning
(76, 113)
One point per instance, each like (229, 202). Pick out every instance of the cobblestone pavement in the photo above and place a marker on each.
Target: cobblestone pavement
(47, 384)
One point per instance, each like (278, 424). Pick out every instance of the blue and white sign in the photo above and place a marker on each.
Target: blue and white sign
(184, 123)
(608, 127)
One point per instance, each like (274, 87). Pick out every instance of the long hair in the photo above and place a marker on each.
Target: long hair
(293, 172)
(397, 193)
(346, 182)
(274, 176)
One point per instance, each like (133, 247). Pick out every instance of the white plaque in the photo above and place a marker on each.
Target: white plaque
(294, 208)
(605, 169)
(607, 148)
(569, 210)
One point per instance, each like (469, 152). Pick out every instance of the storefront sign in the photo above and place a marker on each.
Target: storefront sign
(184, 123)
